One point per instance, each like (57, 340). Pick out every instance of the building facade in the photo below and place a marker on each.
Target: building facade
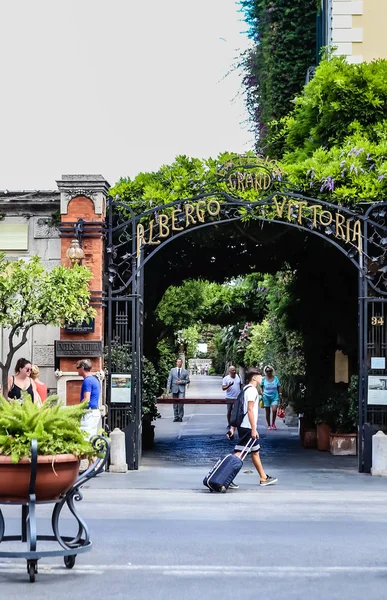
(44, 223)
(28, 226)
(356, 28)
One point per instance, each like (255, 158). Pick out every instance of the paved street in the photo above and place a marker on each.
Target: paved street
(157, 533)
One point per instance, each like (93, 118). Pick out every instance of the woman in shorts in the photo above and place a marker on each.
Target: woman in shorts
(270, 395)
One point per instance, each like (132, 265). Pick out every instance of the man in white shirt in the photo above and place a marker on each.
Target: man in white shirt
(231, 384)
(248, 428)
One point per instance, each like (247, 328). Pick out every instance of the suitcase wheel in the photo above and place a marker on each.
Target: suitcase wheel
(223, 489)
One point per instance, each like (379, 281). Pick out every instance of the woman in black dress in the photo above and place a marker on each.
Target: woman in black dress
(21, 381)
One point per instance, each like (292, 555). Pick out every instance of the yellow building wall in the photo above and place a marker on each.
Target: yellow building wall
(373, 21)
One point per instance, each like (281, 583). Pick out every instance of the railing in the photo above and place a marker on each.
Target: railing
(195, 401)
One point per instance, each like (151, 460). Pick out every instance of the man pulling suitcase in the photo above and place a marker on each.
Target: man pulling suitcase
(248, 428)
(244, 417)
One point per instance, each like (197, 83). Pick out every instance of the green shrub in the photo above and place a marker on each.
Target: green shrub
(340, 409)
(55, 427)
(167, 361)
(284, 32)
(340, 98)
(355, 171)
(150, 390)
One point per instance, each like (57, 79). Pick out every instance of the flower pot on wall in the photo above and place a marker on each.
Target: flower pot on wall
(55, 475)
(323, 437)
(343, 444)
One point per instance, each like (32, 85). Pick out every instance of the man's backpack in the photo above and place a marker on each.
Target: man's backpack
(238, 409)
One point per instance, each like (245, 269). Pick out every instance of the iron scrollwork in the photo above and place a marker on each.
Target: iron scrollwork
(71, 546)
(74, 494)
(244, 190)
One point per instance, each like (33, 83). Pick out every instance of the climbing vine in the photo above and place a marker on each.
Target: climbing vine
(284, 36)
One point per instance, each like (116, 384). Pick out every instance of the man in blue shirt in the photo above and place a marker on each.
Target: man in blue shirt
(90, 391)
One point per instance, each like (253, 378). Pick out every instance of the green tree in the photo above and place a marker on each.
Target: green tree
(196, 301)
(276, 340)
(258, 350)
(168, 353)
(189, 337)
(181, 305)
(31, 296)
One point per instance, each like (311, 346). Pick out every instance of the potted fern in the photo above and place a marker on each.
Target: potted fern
(61, 445)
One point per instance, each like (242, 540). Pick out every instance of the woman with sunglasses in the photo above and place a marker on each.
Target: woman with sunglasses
(21, 381)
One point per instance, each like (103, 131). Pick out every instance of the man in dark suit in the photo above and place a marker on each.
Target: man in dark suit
(177, 380)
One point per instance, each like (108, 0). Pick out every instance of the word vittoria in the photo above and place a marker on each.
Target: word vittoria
(319, 216)
(179, 219)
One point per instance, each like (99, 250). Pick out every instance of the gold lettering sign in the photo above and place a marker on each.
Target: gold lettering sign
(248, 180)
(191, 215)
(284, 208)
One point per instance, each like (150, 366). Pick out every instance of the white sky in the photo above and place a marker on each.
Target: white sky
(116, 87)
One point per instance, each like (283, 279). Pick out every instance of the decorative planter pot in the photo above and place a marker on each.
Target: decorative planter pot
(310, 438)
(343, 444)
(55, 475)
(323, 437)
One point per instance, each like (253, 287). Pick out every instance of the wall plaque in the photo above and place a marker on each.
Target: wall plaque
(79, 349)
(341, 367)
(84, 327)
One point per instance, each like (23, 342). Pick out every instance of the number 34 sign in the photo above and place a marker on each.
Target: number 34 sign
(377, 320)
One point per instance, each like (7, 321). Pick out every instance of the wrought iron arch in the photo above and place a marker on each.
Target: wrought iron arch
(134, 237)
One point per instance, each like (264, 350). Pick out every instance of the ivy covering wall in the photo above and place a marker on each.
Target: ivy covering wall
(284, 36)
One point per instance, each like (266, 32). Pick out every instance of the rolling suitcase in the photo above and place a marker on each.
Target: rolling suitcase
(225, 470)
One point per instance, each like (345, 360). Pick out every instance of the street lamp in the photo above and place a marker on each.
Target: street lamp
(75, 253)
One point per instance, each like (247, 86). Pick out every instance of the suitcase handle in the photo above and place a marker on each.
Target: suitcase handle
(245, 450)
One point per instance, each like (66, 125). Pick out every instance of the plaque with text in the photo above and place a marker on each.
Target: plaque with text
(120, 388)
(341, 367)
(82, 349)
(377, 389)
(84, 327)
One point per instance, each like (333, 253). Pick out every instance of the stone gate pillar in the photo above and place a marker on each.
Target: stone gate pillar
(83, 209)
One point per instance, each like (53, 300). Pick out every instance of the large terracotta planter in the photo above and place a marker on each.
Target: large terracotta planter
(55, 475)
(343, 444)
(323, 437)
